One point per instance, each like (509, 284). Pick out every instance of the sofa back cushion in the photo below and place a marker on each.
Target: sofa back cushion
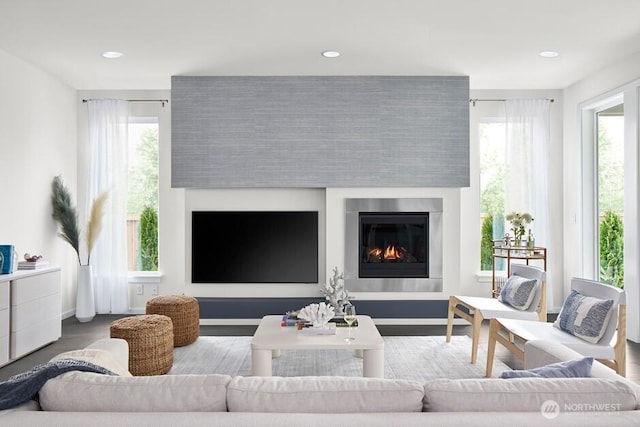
(528, 395)
(323, 395)
(89, 392)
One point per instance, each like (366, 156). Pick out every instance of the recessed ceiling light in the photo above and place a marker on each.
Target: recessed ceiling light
(548, 54)
(330, 54)
(112, 54)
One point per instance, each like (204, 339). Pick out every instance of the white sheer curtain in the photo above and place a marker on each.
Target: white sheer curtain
(107, 170)
(526, 183)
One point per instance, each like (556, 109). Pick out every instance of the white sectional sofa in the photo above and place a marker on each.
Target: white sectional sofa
(88, 399)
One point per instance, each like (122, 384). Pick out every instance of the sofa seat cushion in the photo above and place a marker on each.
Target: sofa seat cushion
(88, 392)
(526, 394)
(323, 395)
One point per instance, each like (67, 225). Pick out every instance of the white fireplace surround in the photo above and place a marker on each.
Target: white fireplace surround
(354, 207)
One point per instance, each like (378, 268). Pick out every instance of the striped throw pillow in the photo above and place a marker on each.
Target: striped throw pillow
(585, 317)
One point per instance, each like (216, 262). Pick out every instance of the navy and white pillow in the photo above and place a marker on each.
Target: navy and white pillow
(577, 368)
(518, 292)
(585, 317)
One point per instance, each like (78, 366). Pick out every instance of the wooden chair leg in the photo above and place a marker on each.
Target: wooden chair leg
(494, 327)
(452, 306)
(477, 323)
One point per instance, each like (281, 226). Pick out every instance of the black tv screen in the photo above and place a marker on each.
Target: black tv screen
(254, 247)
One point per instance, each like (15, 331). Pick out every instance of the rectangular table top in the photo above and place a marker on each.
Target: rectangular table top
(270, 335)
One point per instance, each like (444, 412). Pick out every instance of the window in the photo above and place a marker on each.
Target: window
(610, 193)
(492, 172)
(142, 198)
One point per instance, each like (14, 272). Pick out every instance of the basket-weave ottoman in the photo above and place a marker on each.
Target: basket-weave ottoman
(183, 310)
(150, 339)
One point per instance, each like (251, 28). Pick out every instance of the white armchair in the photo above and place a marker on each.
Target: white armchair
(476, 309)
(609, 349)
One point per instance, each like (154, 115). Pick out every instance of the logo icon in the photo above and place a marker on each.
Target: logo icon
(550, 409)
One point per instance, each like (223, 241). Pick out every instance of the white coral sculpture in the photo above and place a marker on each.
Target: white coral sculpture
(317, 314)
(335, 292)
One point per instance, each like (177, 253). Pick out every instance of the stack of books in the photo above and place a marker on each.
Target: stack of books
(32, 265)
(290, 319)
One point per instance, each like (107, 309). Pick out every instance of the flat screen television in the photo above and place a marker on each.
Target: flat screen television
(254, 247)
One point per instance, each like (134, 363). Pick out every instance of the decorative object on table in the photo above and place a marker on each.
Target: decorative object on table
(349, 317)
(66, 214)
(317, 314)
(518, 223)
(32, 262)
(335, 292)
(6, 259)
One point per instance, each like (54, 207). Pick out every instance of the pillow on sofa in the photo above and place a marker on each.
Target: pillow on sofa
(525, 394)
(584, 317)
(98, 357)
(89, 392)
(323, 395)
(518, 292)
(578, 368)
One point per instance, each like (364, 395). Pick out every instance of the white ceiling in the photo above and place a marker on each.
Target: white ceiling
(495, 42)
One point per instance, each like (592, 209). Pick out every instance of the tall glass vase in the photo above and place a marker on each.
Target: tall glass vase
(85, 299)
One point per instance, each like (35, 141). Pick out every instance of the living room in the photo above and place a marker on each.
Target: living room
(65, 130)
(44, 122)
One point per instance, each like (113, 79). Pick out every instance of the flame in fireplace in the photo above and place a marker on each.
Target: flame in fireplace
(392, 253)
(375, 252)
(389, 253)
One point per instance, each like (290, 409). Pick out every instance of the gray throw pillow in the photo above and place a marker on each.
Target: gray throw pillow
(518, 292)
(578, 368)
(584, 317)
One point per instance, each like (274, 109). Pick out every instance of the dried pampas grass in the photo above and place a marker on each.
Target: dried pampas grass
(94, 225)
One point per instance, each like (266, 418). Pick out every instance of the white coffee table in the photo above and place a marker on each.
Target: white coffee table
(270, 338)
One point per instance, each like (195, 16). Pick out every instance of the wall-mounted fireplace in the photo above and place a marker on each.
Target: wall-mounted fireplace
(393, 245)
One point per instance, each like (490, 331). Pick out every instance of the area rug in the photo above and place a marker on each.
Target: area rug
(417, 357)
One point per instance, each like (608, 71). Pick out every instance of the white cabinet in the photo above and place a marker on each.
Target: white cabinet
(4, 323)
(34, 311)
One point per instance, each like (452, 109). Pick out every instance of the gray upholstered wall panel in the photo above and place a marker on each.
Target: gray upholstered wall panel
(320, 131)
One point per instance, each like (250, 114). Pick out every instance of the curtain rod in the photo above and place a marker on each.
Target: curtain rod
(474, 100)
(161, 101)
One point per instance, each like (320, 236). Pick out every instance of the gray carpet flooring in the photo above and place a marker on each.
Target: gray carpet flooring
(408, 357)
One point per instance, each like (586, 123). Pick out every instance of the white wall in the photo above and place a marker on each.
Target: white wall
(470, 200)
(37, 142)
(614, 78)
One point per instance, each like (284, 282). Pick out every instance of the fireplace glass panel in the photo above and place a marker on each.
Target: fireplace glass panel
(394, 245)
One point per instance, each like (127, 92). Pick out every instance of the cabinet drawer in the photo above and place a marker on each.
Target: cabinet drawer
(4, 350)
(34, 337)
(4, 323)
(4, 295)
(35, 311)
(34, 287)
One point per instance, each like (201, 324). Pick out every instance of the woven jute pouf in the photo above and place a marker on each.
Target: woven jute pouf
(183, 311)
(150, 339)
